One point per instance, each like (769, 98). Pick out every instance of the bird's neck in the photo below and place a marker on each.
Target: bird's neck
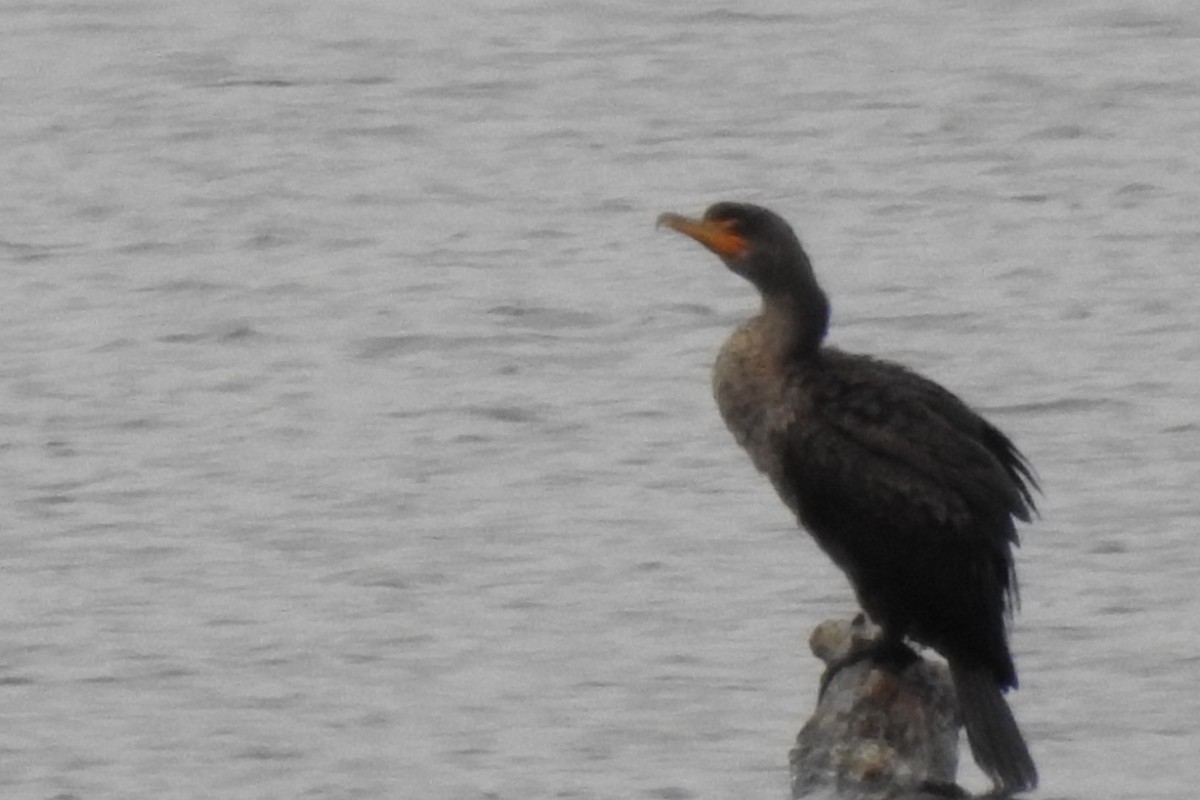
(795, 321)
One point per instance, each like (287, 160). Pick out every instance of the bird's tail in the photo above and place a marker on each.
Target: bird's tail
(996, 741)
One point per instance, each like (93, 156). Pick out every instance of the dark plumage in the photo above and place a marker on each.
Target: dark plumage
(907, 489)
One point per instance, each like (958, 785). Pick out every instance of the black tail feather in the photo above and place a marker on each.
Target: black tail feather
(996, 741)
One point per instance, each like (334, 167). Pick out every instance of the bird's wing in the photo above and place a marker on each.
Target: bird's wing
(958, 415)
(893, 445)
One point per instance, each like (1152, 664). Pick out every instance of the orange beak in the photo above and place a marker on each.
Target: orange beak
(717, 236)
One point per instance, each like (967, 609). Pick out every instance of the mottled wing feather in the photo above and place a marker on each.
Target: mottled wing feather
(871, 480)
(913, 425)
(957, 413)
(901, 472)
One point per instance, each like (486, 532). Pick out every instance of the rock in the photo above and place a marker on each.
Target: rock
(885, 726)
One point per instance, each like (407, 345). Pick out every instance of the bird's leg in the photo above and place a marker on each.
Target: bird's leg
(871, 643)
(893, 652)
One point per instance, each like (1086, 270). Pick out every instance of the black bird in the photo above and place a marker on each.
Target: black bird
(909, 491)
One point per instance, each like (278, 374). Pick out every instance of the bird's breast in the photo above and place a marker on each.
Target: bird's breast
(758, 396)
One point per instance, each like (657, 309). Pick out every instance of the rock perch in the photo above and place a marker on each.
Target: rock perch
(881, 729)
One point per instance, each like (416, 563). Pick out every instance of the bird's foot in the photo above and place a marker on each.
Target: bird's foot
(891, 653)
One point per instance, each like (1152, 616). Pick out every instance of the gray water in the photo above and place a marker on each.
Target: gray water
(356, 437)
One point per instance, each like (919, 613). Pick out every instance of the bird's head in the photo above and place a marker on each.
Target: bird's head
(754, 242)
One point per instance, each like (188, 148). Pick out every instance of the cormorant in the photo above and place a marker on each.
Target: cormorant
(908, 490)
